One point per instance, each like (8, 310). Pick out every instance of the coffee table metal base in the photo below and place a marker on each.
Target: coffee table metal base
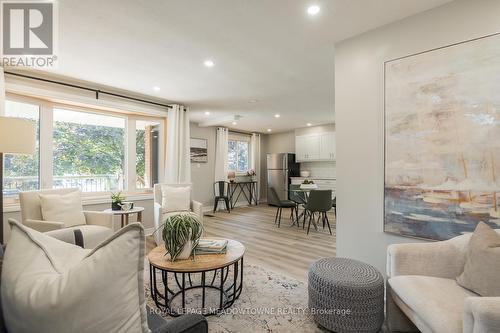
(228, 291)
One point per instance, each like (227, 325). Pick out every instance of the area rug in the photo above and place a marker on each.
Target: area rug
(269, 302)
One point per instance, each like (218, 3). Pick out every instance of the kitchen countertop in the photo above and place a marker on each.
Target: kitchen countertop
(312, 177)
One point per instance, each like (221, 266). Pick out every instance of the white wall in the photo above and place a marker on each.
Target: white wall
(280, 143)
(359, 64)
(315, 129)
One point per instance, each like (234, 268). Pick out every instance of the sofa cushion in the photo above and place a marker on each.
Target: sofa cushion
(438, 302)
(93, 235)
(483, 260)
(66, 208)
(175, 198)
(61, 287)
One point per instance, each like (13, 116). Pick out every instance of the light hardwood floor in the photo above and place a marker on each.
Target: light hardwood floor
(286, 250)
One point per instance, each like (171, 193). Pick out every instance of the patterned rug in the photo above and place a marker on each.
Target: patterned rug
(269, 302)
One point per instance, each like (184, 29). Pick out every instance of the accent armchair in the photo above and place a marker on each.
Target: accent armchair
(97, 226)
(422, 293)
(161, 212)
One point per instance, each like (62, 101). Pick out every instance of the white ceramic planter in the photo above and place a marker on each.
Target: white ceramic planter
(186, 251)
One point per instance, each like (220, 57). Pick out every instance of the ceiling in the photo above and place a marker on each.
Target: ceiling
(270, 56)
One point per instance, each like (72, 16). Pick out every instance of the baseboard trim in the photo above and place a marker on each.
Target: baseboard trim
(221, 207)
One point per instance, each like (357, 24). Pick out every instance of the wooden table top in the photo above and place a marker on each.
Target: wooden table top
(203, 262)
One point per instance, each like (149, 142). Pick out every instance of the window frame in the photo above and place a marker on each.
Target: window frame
(240, 138)
(10, 198)
(46, 119)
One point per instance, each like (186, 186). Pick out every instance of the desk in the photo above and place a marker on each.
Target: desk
(239, 188)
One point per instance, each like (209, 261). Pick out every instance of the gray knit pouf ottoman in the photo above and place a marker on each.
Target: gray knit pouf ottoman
(346, 295)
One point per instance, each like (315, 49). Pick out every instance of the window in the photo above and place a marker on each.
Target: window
(22, 172)
(92, 149)
(146, 149)
(89, 151)
(238, 155)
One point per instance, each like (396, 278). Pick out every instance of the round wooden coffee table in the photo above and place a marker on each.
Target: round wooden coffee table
(204, 272)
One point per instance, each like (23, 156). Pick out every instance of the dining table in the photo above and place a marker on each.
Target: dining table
(305, 192)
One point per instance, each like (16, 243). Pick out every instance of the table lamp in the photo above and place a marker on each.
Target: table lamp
(17, 136)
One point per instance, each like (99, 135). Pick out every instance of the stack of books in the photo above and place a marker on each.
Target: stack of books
(211, 246)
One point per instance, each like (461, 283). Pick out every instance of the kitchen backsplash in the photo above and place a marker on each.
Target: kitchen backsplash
(320, 169)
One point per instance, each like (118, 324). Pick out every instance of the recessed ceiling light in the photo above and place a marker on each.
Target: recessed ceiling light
(269, 130)
(313, 10)
(234, 123)
(277, 115)
(156, 88)
(209, 63)
(207, 113)
(253, 101)
(309, 124)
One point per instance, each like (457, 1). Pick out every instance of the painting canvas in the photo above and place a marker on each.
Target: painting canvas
(198, 150)
(442, 140)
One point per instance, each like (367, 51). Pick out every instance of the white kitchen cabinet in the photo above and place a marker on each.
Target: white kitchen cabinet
(327, 146)
(315, 147)
(307, 148)
(300, 149)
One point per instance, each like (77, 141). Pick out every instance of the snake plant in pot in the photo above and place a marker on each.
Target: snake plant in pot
(181, 233)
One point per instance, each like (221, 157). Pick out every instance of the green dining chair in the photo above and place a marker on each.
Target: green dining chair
(274, 200)
(320, 201)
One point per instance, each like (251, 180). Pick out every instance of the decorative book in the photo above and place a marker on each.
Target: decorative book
(211, 246)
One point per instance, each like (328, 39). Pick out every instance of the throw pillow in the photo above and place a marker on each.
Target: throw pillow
(61, 287)
(175, 198)
(480, 273)
(66, 208)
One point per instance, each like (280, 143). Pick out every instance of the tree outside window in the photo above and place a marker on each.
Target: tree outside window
(89, 151)
(146, 163)
(238, 155)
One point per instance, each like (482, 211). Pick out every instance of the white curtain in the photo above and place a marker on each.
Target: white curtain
(2, 92)
(221, 146)
(255, 162)
(178, 163)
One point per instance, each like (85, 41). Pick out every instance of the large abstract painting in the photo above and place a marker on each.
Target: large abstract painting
(442, 140)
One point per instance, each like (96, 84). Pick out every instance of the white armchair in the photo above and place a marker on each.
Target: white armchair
(98, 225)
(422, 293)
(159, 215)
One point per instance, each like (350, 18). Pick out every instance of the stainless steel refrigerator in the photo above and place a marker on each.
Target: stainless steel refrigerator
(280, 167)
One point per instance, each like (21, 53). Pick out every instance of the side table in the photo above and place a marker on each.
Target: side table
(125, 214)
